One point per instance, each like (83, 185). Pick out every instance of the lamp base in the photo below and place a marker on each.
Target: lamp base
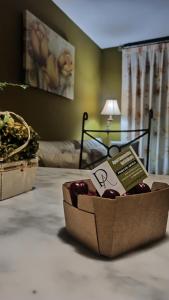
(110, 118)
(109, 123)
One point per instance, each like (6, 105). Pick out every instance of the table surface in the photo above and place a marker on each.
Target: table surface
(39, 260)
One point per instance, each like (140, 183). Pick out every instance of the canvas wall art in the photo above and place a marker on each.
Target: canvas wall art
(48, 59)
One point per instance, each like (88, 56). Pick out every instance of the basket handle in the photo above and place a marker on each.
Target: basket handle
(27, 141)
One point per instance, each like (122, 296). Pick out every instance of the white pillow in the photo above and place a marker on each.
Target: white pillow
(59, 154)
(89, 145)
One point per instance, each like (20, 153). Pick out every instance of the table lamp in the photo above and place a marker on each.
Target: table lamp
(110, 109)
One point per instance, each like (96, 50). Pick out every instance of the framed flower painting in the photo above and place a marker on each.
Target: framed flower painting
(48, 58)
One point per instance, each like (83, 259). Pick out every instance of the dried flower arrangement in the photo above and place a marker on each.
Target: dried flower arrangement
(14, 134)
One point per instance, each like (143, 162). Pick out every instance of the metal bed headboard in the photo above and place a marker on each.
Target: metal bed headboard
(143, 132)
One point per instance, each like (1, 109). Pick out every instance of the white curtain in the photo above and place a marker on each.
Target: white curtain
(145, 85)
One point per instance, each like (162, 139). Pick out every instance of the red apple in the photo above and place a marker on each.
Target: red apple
(77, 188)
(110, 193)
(139, 189)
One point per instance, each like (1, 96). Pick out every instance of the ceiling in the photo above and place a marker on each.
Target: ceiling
(111, 23)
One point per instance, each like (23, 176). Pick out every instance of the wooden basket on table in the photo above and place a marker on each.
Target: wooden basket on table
(17, 177)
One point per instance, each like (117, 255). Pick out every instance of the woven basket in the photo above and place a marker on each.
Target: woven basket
(19, 176)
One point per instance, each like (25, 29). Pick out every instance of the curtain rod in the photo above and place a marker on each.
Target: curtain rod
(145, 42)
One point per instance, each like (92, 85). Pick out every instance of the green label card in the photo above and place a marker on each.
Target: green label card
(122, 172)
(128, 168)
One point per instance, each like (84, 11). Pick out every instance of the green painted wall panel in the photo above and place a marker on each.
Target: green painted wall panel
(97, 74)
(53, 116)
(111, 65)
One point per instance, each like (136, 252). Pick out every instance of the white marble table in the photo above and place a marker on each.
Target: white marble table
(38, 260)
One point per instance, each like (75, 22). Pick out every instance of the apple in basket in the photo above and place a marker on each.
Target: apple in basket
(139, 189)
(110, 193)
(78, 188)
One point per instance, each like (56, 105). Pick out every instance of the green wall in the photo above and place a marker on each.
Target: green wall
(111, 65)
(97, 74)
(111, 74)
(53, 116)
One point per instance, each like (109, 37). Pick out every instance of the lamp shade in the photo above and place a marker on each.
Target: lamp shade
(111, 108)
